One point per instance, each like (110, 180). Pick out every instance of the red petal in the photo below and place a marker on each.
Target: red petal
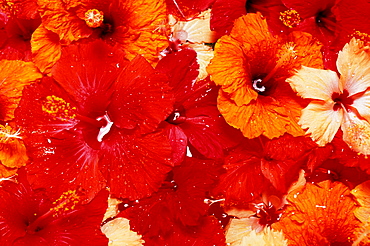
(135, 166)
(185, 9)
(143, 97)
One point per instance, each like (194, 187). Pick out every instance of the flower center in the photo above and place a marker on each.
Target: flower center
(104, 129)
(341, 100)
(267, 214)
(177, 116)
(58, 108)
(290, 18)
(94, 18)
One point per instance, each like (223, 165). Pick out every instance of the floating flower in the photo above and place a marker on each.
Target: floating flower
(97, 123)
(338, 101)
(28, 217)
(251, 66)
(319, 214)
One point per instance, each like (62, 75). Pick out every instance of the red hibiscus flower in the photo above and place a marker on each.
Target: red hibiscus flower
(195, 119)
(262, 167)
(179, 203)
(97, 123)
(28, 217)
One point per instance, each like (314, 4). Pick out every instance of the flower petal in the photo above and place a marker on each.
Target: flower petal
(14, 75)
(322, 121)
(354, 66)
(315, 83)
(356, 133)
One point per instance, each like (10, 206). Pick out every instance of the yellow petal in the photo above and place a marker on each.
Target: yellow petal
(314, 83)
(356, 133)
(119, 234)
(353, 64)
(322, 121)
(14, 75)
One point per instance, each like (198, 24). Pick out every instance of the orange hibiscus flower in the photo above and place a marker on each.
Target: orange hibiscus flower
(131, 24)
(251, 66)
(319, 214)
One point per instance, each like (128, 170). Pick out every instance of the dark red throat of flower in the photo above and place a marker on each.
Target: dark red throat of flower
(267, 214)
(341, 100)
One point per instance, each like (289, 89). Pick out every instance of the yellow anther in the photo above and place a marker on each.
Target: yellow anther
(9, 7)
(290, 18)
(364, 37)
(94, 18)
(58, 108)
(67, 201)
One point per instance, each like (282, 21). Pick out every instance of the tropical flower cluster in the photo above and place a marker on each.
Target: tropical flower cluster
(184, 122)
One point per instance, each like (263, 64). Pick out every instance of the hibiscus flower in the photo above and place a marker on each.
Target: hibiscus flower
(338, 102)
(28, 217)
(195, 119)
(319, 214)
(95, 121)
(131, 24)
(251, 66)
(178, 205)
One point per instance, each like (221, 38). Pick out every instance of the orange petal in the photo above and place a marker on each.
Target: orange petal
(14, 75)
(57, 19)
(46, 48)
(143, 36)
(319, 214)
(362, 194)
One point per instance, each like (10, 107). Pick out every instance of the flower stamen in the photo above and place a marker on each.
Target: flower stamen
(290, 18)
(58, 108)
(94, 18)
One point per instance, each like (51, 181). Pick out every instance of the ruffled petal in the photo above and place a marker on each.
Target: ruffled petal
(319, 214)
(46, 48)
